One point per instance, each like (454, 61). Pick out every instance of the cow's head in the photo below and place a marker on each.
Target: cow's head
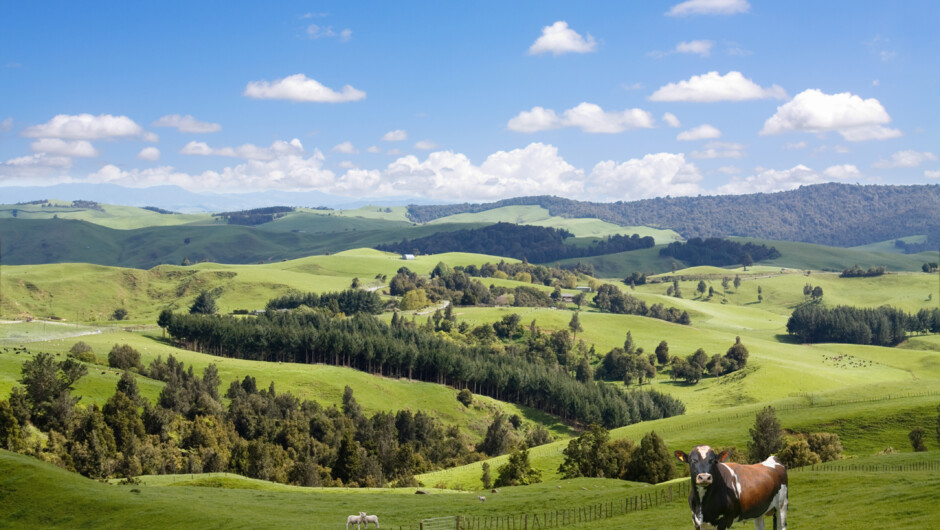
(703, 463)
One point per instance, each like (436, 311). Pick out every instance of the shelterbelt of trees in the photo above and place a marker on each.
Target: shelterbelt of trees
(522, 373)
(535, 243)
(866, 214)
(883, 326)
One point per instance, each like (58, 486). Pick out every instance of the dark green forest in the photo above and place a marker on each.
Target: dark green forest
(832, 214)
(883, 326)
(718, 252)
(534, 243)
(537, 373)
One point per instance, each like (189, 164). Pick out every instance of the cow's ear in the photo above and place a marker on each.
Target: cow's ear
(682, 456)
(723, 456)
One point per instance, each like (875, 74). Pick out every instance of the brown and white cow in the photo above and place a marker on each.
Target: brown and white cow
(725, 493)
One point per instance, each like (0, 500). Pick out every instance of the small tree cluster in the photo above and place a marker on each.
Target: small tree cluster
(593, 455)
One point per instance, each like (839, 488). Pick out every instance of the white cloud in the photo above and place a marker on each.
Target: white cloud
(702, 132)
(346, 164)
(720, 150)
(187, 124)
(149, 153)
(537, 119)
(771, 180)
(315, 31)
(398, 135)
(712, 87)
(795, 145)
(374, 149)
(559, 38)
(632, 86)
(709, 7)
(698, 47)
(908, 158)
(247, 151)
(870, 132)
(814, 111)
(86, 127)
(346, 147)
(290, 172)
(935, 174)
(345, 35)
(6, 125)
(671, 120)
(842, 172)
(55, 146)
(588, 117)
(425, 145)
(651, 176)
(449, 175)
(300, 88)
(25, 170)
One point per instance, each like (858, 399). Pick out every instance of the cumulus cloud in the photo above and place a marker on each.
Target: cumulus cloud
(149, 153)
(55, 146)
(559, 38)
(712, 87)
(588, 117)
(346, 147)
(771, 180)
(300, 88)
(26, 170)
(709, 7)
(290, 172)
(907, 158)
(720, 150)
(187, 124)
(425, 145)
(374, 149)
(653, 175)
(87, 127)
(449, 175)
(346, 164)
(932, 174)
(6, 125)
(702, 132)
(671, 120)
(398, 135)
(812, 110)
(247, 151)
(842, 172)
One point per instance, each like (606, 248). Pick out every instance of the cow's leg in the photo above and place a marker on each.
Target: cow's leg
(759, 523)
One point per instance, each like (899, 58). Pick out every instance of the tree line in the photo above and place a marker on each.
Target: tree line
(858, 272)
(866, 214)
(405, 349)
(718, 252)
(610, 298)
(261, 434)
(882, 326)
(534, 243)
(254, 216)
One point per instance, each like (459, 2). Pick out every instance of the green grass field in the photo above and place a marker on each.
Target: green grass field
(35, 494)
(871, 396)
(539, 216)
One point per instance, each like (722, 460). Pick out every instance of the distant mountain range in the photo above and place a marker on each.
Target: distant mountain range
(177, 199)
(842, 215)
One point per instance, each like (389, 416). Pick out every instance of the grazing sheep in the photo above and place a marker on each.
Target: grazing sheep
(482, 498)
(357, 519)
(374, 519)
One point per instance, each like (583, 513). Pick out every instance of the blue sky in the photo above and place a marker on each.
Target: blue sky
(470, 101)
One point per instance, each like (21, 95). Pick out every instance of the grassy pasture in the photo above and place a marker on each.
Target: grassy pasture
(539, 216)
(110, 215)
(35, 492)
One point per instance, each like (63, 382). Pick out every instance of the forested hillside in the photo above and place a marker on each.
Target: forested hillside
(829, 214)
(534, 243)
